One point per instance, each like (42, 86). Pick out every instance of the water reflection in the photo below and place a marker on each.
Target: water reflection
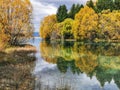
(80, 66)
(15, 70)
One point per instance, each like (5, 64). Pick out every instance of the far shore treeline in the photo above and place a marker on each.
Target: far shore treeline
(95, 21)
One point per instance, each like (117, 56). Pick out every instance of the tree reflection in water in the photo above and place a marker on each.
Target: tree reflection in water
(101, 60)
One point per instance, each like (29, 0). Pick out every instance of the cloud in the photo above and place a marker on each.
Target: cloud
(42, 8)
(68, 3)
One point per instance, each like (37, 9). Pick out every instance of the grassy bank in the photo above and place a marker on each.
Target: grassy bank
(17, 54)
(16, 65)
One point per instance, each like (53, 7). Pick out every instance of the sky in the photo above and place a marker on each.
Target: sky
(42, 8)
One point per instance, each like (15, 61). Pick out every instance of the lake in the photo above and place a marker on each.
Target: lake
(76, 66)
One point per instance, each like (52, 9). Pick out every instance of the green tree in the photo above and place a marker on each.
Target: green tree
(62, 13)
(117, 4)
(90, 4)
(104, 4)
(71, 14)
(78, 7)
(74, 9)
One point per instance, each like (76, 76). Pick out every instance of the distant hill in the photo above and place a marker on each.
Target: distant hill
(36, 34)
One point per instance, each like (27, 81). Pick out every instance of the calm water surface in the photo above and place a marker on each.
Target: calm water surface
(77, 66)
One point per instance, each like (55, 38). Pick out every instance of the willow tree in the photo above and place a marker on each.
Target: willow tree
(15, 19)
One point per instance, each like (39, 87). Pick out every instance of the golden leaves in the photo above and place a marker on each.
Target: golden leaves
(47, 26)
(15, 16)
(86, 20)
(110, 24)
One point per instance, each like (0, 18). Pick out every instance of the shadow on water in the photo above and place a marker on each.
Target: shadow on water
(78, 66)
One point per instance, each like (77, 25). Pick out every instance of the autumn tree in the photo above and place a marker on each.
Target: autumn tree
(66, 29)
(3, 40)
(47, 26)
(109, 24)
(87, 63)
(15, 18)
(85, 24)
(62, 13)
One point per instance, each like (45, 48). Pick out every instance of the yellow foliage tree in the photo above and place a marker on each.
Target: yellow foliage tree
(85, 24)
(109, 24)
(15, 18)
(3, 40)
(47, 26)
(66, 28)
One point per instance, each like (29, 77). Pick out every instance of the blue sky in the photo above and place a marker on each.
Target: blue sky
(42, 8)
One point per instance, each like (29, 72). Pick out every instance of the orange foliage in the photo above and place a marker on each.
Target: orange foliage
(47, 26)
(3, 40)
(15, 18)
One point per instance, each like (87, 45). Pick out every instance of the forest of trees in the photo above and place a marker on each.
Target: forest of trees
(94, 21)
(15, 22)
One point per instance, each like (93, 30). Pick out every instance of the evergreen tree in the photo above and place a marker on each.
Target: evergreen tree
(100, 5)
(104, 4)
(117, 4)
(109, 4)
(71, 14)
(62, 13)
(78, 7)
(74, 9)
(90, 4)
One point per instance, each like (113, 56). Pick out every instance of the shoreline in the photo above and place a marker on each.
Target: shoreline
(16, 64)
(17, 54)
(74, 40)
